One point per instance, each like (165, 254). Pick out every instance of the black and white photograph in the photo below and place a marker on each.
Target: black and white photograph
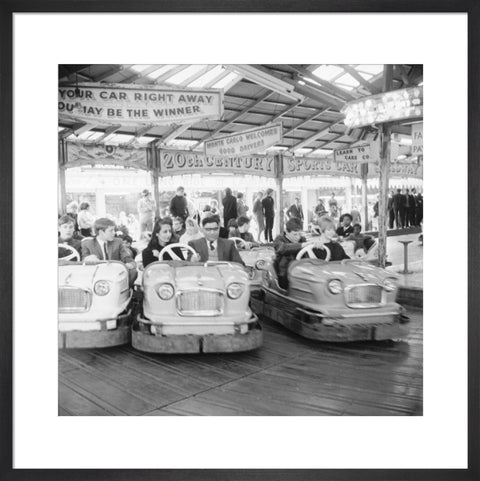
(240, 239)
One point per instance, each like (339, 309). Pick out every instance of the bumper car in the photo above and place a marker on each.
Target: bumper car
(93, 304)
(255, 260)
(191, 307)
(338, 301)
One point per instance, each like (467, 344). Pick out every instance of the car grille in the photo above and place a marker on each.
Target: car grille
(73, 299)
(200, 303)
(363, 296)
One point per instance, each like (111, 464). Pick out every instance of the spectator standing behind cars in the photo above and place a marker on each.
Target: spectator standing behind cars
(399, 208)
(229, 206)
(178, 204)
(146, 211)
(242, 208)
(258, 214)
(162, 236)
(320, 208)
(105, 246)
(85, 220)
(411, 207)
(295, 210)
(269, 214)
(391, 210)
(211, 247)
(72, 211)
(333, 206)
(418, 209)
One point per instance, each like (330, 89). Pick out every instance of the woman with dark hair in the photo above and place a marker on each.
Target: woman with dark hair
(85, 220)
(162, 236)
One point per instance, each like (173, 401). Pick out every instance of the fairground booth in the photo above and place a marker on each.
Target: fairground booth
(305, 131)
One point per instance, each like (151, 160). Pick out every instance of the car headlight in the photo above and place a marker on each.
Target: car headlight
(260, 264)
(335, 286)
(235, 290)
(389, 284)
(165, 291)
(101, 288)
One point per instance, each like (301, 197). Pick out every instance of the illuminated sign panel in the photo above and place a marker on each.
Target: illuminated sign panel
(384, 107)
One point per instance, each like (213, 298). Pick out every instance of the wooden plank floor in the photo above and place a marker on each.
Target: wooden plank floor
(289, 375)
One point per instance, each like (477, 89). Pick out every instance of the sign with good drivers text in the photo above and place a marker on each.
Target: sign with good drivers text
(118, 104)
(246, 142)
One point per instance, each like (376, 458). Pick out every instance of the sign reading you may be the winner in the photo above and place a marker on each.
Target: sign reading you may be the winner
(117, 104)
(246, 142)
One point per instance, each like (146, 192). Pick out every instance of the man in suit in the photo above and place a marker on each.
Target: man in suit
(105, 246)
(212, 247)
(269, 214)
(399, 209)
(295, 210)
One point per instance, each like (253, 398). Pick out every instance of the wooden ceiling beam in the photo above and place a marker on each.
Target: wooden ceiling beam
(328, 87)
(170, 73)
(233, 119)
(312, 138)
(139, 75)
(173, 133)
(109, 131)
(363, 82)
(284, 112)
(139, 133)
(310, 119)
(112, 71)
(196, 75)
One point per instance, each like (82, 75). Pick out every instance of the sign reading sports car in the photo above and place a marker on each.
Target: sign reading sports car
(322, 166)
(185, 162)
(246, 142)
(116, 103)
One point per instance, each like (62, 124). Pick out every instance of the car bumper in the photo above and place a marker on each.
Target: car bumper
(103, 333)
(361, 325)
(148, 340)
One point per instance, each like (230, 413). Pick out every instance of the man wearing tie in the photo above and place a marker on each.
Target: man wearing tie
(105, 246)
(212, 247)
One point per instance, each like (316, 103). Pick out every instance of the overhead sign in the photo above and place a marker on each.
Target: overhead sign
(385, 107)
(361, 154)
(120, 104)
(417, 139)
(81, 153)
(246, 142)
(186, 162)
(399, 169)
(293, 166)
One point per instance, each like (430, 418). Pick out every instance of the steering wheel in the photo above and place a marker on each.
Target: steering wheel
(308, 249)
(243, 244)
(168, 250)
(73, 253)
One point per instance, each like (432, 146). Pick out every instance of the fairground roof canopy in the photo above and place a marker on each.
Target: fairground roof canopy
(306, 99)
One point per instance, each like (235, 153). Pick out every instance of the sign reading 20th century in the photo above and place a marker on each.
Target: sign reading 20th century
(114, 103)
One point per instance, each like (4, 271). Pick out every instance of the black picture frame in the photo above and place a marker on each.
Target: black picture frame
(8, 8)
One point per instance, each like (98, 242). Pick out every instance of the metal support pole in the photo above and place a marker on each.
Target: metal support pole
(364, 168)
(156, 192)
(385, 143)
(405, 257)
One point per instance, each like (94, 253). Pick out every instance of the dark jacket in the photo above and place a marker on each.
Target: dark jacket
(229, 208)
(178, 207)
(344, 231)
(148, 257)
(295, 211)
(285, 252)
(226, 250)
(268, 207)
